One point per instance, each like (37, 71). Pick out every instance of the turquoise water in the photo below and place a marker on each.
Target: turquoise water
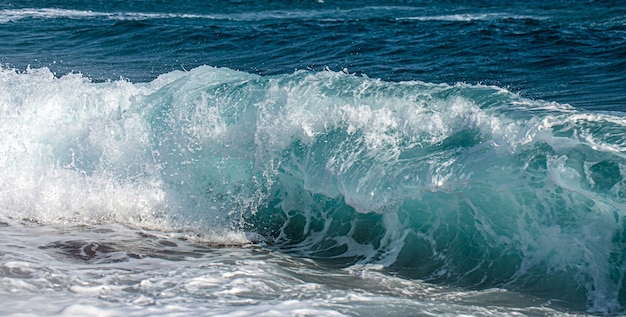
(314, 158)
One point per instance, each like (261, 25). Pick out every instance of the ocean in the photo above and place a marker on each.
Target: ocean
(312, 158)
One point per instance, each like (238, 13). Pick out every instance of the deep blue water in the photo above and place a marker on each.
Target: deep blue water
(564, 51)
(470, 145)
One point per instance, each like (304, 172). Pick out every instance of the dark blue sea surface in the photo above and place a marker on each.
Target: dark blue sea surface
(565, 51)
(471, 154)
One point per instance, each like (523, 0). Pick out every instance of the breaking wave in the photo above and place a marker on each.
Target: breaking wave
(460, 184)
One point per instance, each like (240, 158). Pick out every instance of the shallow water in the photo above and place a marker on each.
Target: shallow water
(107, 270)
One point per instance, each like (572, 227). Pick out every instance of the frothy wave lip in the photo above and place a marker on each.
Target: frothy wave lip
(470, 17)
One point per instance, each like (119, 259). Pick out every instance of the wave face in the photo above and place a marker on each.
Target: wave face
(466, 185)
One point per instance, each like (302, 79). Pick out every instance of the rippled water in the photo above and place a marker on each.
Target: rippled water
(570, 52)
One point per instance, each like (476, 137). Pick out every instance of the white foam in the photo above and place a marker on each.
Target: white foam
(8, 15)
(68, 155)
(210, 281)
(466, 17)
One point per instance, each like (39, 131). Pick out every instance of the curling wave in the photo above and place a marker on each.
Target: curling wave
(466, 184)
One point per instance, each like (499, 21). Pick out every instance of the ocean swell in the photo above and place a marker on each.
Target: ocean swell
(462, 184)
